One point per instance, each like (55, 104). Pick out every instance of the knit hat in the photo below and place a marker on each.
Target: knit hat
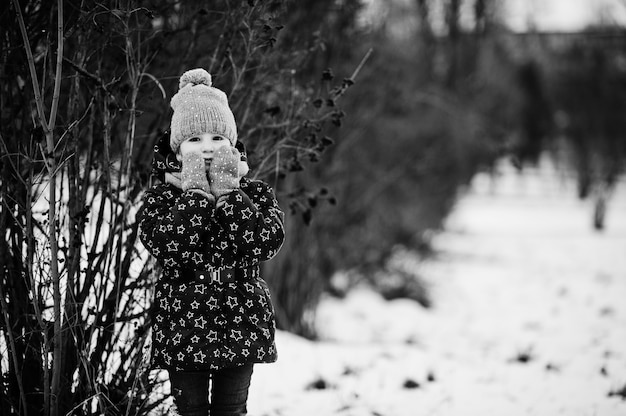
(200, 108)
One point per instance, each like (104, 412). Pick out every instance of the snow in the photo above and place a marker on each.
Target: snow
(528, 318)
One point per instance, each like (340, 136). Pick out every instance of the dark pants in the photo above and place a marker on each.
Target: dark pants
(229, 391)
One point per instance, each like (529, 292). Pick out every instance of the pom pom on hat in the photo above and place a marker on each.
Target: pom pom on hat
(200, 108)
(196, 76)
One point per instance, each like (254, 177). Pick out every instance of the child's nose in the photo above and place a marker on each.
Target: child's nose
(208, 147)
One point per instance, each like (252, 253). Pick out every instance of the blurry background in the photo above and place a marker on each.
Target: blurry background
(450, 88)
(371, 119)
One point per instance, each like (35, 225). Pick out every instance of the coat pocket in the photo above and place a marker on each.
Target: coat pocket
(259, 310)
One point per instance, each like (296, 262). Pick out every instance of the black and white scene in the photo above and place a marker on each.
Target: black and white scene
(313, 208)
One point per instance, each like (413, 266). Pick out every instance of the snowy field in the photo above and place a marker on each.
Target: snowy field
(528, 318)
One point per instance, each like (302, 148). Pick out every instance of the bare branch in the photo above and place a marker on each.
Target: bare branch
(31, 66)
(59, 68)
(13, 351)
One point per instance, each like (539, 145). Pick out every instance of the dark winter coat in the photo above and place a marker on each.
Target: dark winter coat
(211, 308)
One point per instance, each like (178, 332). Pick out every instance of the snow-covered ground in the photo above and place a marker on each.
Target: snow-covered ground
(529, 318)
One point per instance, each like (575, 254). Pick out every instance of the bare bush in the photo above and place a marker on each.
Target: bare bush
(84, 97)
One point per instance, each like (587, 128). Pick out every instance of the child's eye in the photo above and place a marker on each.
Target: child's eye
(194, 139)
(217, 138)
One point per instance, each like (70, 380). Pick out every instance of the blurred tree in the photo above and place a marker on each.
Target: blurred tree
(587, 86)
(535, 114)
(298, 275)
(427, 114)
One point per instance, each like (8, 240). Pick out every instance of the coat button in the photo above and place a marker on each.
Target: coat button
(201, 276)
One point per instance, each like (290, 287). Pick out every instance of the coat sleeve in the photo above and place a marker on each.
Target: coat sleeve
(172, 226)
(253, 220)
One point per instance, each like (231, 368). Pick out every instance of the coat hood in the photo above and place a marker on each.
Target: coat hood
(164, 159)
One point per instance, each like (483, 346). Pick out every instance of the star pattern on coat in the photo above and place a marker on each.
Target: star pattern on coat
(213, 324)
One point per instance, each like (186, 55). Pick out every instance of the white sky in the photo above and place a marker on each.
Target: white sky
(519, 15)
(563, 15)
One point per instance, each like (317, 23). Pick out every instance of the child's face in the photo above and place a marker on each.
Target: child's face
(205, 144)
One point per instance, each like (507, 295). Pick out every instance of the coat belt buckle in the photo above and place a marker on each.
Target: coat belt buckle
(215, 276)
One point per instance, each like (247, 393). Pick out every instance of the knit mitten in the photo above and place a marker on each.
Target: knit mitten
(224, 171)
(193, 173)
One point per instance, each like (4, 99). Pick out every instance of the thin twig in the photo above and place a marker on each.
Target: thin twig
(156, 81)
(360, 66)
(88, 75)
(31, 67)
(59, 68)
(9, 332)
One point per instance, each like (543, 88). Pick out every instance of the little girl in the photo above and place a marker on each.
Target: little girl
(209, 227)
